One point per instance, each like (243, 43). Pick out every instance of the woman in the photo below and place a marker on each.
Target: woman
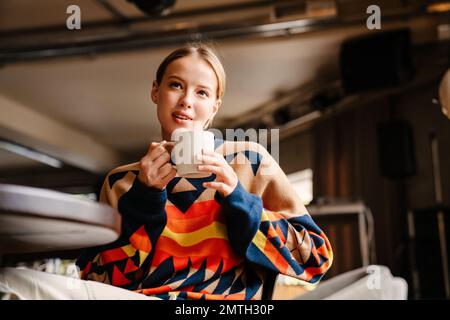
(205, 238)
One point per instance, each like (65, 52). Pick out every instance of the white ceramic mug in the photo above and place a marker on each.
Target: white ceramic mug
(188, 144)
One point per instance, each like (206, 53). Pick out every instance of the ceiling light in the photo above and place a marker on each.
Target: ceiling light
(439, 7)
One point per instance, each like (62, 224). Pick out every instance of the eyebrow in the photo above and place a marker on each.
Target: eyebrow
(202, 86)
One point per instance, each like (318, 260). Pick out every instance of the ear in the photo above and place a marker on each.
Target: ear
(154, 92)
(216, 107)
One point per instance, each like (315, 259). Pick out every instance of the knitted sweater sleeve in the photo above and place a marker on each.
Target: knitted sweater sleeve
(124, 262)
(271, 227)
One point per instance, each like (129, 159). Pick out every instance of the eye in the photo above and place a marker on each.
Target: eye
(204, 93)
(175, 85)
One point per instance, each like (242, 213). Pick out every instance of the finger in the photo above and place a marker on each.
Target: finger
(212, 154)
(164, 170)
(169, 177)
(208, 159)
(153, 145)
(224, 175)
(147, 167)
(216, 155)
(219, 171)
(157, 151)
(161, 160)
(145, 161)
(219, 186)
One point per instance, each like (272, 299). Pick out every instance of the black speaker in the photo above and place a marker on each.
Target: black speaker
(396, 149)
(379, 60)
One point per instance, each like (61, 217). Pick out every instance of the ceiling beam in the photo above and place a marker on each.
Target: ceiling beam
(264, 19)
(24, 126)
(261, 19)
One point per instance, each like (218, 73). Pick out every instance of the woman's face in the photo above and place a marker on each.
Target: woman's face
(186, 96)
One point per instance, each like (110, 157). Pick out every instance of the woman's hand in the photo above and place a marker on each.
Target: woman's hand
(155, 169)
(226, 180)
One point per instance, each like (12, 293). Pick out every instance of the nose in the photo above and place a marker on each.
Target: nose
(186, 100)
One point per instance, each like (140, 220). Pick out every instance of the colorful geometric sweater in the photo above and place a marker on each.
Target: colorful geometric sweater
(188, 242)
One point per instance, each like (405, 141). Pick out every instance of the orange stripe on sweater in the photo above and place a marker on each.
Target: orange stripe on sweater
(207, 247)
(198, 209)
(195, 223)
(275, 257)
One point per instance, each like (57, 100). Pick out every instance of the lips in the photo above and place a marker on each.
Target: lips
(181, 116)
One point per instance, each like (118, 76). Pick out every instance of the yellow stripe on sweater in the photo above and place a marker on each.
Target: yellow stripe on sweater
(260, 240)
(186, 239)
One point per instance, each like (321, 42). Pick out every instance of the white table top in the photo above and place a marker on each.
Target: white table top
(41, 220)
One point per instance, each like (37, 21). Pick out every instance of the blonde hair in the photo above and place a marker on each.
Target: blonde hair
(202, 50)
